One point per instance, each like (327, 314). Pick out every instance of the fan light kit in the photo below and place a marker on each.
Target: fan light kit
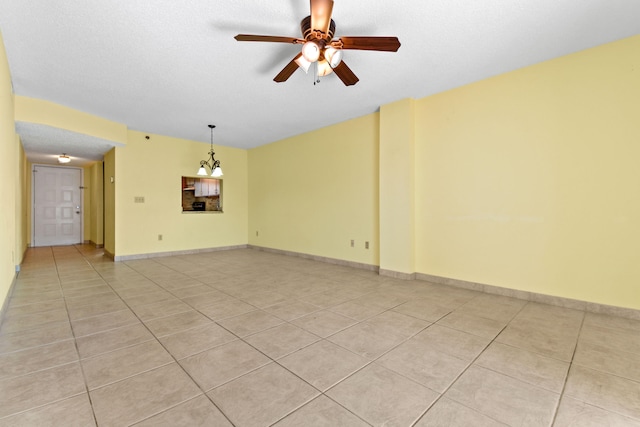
(320, 48)
(63, 158)
(211, 162)
(333, 56)
(311, 51)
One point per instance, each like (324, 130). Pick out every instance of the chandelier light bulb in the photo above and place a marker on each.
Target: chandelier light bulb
(211, 163)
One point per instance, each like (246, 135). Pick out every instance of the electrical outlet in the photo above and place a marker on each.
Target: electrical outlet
(159, 236)
(366, 245)
(353, 243)
(138, 199)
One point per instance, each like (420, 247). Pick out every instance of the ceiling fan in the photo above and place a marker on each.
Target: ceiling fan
(320, 48)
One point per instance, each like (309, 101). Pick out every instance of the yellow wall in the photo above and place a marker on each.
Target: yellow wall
(22, 196)
(55, 115)
(314, 193)
(153, 169)
(397, 176)
(96, 205)
(11, 183)
(7, 177)
(110, 202)
(29, 199)
(530, 180)
(48, 113)
(86, 203)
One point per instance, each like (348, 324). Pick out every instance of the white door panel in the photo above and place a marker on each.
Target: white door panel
(57, 202)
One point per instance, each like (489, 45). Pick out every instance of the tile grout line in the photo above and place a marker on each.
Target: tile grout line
(75, 341)
(390, 309)
(275, 361)
(466, 369)
(130, 346)
(169, 353)
(289, 322)
(50, 367)
(369, 363)
(272, 360)
(566, 378)
(175, 267)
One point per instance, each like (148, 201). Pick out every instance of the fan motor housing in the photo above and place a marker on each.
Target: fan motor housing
(309, 34)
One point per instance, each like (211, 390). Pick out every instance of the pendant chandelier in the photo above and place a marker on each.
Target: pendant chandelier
(211, 162)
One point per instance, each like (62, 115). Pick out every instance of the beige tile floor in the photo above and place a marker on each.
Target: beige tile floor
(249, 338)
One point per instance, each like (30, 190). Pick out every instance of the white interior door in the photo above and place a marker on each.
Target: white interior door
(57, 202)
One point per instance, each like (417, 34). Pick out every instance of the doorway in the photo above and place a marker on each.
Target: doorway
(57, 206)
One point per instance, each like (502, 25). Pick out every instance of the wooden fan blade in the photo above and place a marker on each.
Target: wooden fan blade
(321, 15)
(345, 74)
(276, 39)
(288, 70)
(386, 44)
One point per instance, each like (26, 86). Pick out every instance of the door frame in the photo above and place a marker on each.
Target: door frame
(33, 200)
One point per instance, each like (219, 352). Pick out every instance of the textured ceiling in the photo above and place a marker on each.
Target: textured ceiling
(43, 144)
(171, 67)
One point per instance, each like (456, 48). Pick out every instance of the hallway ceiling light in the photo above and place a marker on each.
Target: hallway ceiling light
(211, 162)
(63, 158)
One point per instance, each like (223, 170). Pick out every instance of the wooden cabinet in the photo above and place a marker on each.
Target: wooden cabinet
(207, 187)
(198, 185)
(201, 194)
(214, 187)
(188, 183)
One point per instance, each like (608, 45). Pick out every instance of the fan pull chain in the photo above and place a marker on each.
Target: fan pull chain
(316, 78)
